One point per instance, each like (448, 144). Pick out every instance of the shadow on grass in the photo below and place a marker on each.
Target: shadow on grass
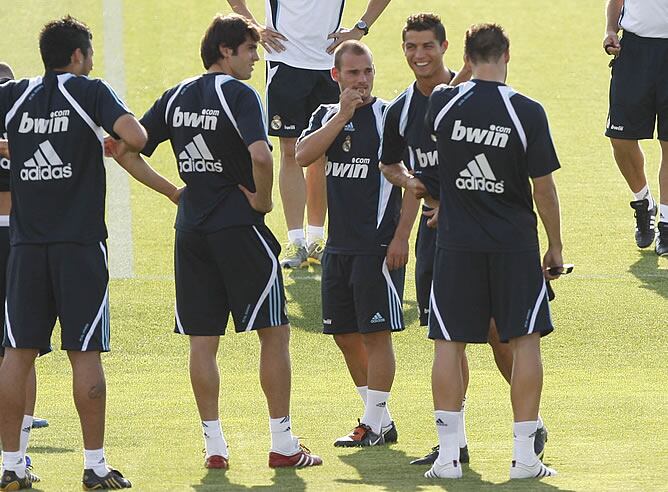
(387, 469)
(283, 479)
(49, 450)
(646, 269)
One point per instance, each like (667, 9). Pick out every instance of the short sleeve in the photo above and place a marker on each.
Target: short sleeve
(155, 121)
(316, 121)
(393, 144)
(108, 107)
(249, 116)
(541, 155)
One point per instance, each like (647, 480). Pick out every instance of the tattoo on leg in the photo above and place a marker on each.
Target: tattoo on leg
(97, 391)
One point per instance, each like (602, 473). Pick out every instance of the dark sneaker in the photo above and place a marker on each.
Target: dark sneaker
(661, 244)
(390, 433)
(11, 481)
(111, 481)
(361, 436)
(645, 219)
(430, 458)
(38, 423)
(539, 441)
(301, 459)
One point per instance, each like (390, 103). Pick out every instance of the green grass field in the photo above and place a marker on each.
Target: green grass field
(605, 398)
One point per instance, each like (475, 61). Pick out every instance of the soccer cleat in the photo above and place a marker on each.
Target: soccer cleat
(11, 481)
(430, 458)
(38, 423)
(301, 459)
(451, 469)
(661, 244)
(390, 434)
(315, 251)
(216, 462)
(537, 470)
(645, 218)
(295, 256)
(539, 440)
(360, 436)
(111, 481)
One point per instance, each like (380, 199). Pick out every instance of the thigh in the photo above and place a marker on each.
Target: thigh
(202, 306)
(519, 295)
(460, 301)
(378, 294)
(338, 305)
(425, 248)
(288, 99)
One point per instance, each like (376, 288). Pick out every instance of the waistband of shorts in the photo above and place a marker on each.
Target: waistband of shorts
(4, 220)
(628, 35)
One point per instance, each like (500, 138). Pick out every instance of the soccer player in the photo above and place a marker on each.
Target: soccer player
(362, 270)
(406, 138)
(226, 258)
(638, 93)
(487, 264)
(57, 264)
(299, 39)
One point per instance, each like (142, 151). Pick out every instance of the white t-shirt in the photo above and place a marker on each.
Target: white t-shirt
(306, 24)
(646, 18)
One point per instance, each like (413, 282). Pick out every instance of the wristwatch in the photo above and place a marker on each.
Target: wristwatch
(362, 26)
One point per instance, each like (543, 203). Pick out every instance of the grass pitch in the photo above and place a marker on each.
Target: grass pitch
(604, 401)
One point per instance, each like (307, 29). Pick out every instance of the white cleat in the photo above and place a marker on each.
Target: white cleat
(451, 469)
(537, 470)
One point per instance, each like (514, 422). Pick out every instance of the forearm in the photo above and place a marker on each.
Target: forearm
(463, 75)
(4, 148)
(397, 174)
(373, 11)
(263, 177)
(409, 211)
(612, 13)
(240, 7)
(314, 146)
(547, 203)
(139, 169)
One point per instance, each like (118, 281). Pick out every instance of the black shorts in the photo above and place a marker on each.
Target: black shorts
(639, 89)
(470, 288)
(360, 294)
(425, 249)
(68, 281)
(293, 94)
(4, 256)
(234, 270)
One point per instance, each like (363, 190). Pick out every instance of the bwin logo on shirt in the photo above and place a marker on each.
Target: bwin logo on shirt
(478, 176)
(496, 136)
(45, 165)
(358, 169)
(207, 119)
(57, 122)
(197, 158)
(427, 159)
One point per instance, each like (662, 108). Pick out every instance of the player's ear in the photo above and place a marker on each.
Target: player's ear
(224, 51)
(444, 46)
(506, 55)
(77, 57)
(334, 72)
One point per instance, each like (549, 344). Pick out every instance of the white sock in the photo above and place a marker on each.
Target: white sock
(645, 194)
(461, 430)
(26, 427)
(524, 433)
(540, 422)
(376, 405)
(296, 236)
(214, 440)
(282, 440)
(386, 419)
(663, 212)
(313, 233)
(14, 462)
(94, 460)
(447, 426)
(362, 392)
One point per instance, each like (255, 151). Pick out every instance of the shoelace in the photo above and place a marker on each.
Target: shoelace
(643, 219)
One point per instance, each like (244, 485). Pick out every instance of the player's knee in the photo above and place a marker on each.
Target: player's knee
(348, 342)
(288, 146)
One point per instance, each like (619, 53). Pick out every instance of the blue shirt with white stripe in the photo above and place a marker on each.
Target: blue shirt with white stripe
(491, 141)
(55, 126)
(210, 121)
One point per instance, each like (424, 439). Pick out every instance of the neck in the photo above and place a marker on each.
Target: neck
(72, 68)
(491, 72)
(219, 66)
(426, 85)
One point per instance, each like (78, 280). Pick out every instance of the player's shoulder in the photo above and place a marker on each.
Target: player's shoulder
(396, 105)
(525, 106)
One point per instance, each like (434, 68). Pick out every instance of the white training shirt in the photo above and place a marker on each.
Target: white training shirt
(646, 18)
(306, 24)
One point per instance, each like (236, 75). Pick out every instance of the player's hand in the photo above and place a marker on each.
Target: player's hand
(114, 148)
(258, 203)
(397, 253)
(611, 44)
(176, 196)
(270, 39)
(348, 102)
(416, 187)
(342, 35)
(4, 148)
(433, 217)
(552, 258)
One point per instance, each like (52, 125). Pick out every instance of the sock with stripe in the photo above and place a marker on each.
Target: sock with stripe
(313, 233)
(461, 430)
(14, 461)
(296, 236)
(214, 440)
(282, 440)
(523, 435)
(663, 212)
(94, 460)
(376, 406)
(645, 194)
(26, 427)
(447, 427)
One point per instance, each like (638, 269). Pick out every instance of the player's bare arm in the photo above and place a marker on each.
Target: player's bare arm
(397, 251)
(131, 132)
(269, 38)
(4, 148)
(313, 147)
(373, 11)
(547, 202)
(396, 173)
(611, 41)
(463, 75)
(263, 176)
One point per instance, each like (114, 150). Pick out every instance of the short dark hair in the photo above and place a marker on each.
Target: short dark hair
(60, 38)
(6, 72)
(350, 46)
(425, 21)
(231, 31)
(485, 43)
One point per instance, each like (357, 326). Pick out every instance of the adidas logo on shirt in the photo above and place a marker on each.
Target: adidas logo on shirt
(377, 318)
(349, 127)
(478, 176)
(45, 165)
(496, 136)
(197, 158)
